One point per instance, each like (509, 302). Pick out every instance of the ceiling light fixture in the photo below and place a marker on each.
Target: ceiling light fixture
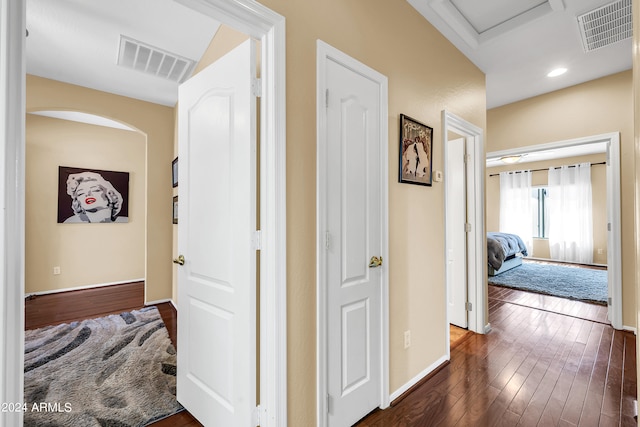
(557, 72)
(511, 159)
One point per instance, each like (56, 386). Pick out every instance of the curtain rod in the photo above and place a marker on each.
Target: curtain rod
(539, 170)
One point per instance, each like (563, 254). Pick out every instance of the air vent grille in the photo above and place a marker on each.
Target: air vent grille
(152, 60)
(606, 25)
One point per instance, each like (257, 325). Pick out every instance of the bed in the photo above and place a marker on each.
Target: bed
(504, 252)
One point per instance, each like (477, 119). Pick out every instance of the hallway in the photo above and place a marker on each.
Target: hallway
(535, 368)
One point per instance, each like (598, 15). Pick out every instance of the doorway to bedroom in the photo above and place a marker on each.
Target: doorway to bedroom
(567, 187)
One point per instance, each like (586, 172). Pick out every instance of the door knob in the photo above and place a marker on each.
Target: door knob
(179, 260)
(375, 262)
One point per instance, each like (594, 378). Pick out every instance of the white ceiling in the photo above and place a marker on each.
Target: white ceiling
(514, 42)
(517, 42)
(77, 41)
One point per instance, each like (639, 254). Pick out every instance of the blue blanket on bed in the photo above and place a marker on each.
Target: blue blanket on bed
(500, 246)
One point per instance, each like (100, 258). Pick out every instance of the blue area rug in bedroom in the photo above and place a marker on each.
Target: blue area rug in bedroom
(583, 284)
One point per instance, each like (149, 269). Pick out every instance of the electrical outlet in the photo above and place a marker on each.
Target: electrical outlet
(56, 271)
(407, 339)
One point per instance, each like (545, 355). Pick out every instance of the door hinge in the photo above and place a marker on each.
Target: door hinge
(467, 158)
(256, 415)
(468, 306)
(326, 98)
(608, 226)
(608, 153)
(467, 227)
(609, 301)
(256, 88)
(329, 404)
(327, 240)
(256, 240)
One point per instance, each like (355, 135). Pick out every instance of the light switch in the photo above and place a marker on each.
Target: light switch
(437, 176)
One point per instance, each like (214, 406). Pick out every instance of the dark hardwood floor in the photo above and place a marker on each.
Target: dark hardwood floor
(67, 307)
(568, 307)
(536, 368)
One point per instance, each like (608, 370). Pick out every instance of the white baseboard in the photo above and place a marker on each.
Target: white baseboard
(173, 303)
(399, 392)
(630, 329)
(487, 328)
(79, 288)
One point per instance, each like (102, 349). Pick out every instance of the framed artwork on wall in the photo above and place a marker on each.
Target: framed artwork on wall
(92, 196)
(416, 152)
(174, 172)
(175, 209)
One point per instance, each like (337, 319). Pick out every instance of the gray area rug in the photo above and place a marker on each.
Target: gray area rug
(114, 371)
(584, 284)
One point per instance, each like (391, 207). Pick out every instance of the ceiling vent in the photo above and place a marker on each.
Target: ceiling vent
(606, 25)
(152, 60)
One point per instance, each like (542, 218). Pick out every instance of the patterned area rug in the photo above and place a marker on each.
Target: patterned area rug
(115, 371)
(584, 284)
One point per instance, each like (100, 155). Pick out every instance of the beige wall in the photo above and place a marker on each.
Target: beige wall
(87, 254)
(599, 106)
(540, 178)
(155, 123)
(426, 74)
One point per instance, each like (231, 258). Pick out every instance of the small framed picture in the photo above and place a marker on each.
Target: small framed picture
(174, 172)
(175, 209)
(416, 151)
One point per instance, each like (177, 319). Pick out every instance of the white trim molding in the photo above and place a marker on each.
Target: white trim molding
(415, 380)
(12, 197)
(614, 238)
(324, 53)
(248, 16)
(476, 238)
(83, 287)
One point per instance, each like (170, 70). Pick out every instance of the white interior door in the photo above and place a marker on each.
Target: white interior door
(217, 217)
(354, 231)
(456, 234)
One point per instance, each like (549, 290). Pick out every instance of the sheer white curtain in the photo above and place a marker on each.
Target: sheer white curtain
(570, 213)
(516, 206)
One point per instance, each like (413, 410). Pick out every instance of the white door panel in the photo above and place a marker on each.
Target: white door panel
(456, 209)
(217, 211)
(354, 224)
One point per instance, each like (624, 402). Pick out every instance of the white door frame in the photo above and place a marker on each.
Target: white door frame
(450, 226)
(245, 15)
(614, 238)
(326, 52)
(476, 238)
(12, 197)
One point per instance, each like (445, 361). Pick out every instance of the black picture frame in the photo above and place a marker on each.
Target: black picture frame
(174, 172)
(416, 152)
(113, 183)
(175, 209)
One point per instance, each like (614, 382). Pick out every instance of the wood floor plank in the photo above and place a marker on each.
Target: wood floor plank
(543, 392)
(577, 395)
(583, 310)
(536, 367)
(612, 399)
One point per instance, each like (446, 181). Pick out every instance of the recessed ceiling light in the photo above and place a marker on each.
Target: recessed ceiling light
(557, 72)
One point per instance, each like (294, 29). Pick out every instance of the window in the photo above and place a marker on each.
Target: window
(540, 213)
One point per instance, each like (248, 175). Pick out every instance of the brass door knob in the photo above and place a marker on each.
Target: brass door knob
(179, 260)
(375, 262)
